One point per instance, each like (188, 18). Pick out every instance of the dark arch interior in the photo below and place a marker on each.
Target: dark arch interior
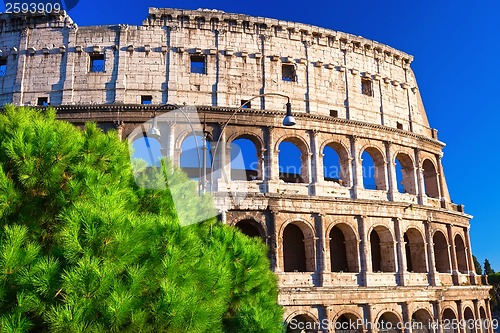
(415, 251)
(249, 228)
(388, 323)
(302, 324)
(461, 254)
(421, 322)
(441, 253)
(348, 323)
(294, 251)
(338, 251)
(376, 251)
(430, 179)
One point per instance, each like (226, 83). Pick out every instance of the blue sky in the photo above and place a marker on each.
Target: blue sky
(457, 65)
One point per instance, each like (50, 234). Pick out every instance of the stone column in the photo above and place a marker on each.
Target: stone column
(420, 178)
(391, 172)
(452, 254)
(322, 256)
(438, 177)
(357, 168)
(431, 259)
(488, 315)
(460, 311)
(437, 316)
(271, 168)
(468, 251)
(275, 248)
(405, 307)
(401, 252)
(119, 128)
(315, 162)
(368, 313)
(477, 315)
(364, 250)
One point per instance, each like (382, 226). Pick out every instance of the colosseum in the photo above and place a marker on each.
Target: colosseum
(352, 200)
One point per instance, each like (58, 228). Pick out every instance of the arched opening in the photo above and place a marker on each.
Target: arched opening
(343, 249)
(194, 150)
(461, 253)
(148, 150)
(335, 164)
(250, 228)
(484, 320)
(469, 324)
(373, 169)
(244, 160)
(302, 324)
(415, 251)
(430, 179)
(294, 250)
(382, 250)
(421, 322)
(449, 321)
(292, 163)
(388, 323)
(348, 323)
(441, 257)
(405, 175)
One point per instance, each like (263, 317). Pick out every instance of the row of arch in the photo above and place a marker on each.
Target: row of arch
(390, 322)
(342, 244)
(293, 164)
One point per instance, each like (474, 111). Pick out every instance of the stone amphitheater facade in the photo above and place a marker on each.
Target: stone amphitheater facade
(398, 252)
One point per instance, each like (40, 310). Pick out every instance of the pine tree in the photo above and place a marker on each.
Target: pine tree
(83, 248)
(477, 266)
(487, 268)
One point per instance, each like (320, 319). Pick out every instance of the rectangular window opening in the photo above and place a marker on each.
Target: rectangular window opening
(288, 73)
(42, 101)
(97, 63)
(3, 66)
(334, 113)
(146, 99)
(366, 87)
(198, 64)
(245, 104)
(399, 125)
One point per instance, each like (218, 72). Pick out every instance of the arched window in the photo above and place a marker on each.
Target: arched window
(302, 324)
(343, 249)
(348, 323)
(294, 250)
(292, 168)
(484, 320)
(250, 228)
(244, 160)
(469, 321)
(388, 323)
(415, 251)
(405, 175)
(421, 322)
(430, 179)
(336, 164)
(148, 150)
(449, 317)
(461, 254)
(193, 153)
(382, 250)
(441, 253)
(373, 169)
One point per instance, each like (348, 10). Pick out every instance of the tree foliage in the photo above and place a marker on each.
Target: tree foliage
(477, 266)
(487, 268)
(83, 249)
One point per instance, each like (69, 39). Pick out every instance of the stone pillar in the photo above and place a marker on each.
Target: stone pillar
(405, 310)
(316, 162)
(452, 254)
(420, 179)
(477, 316)
(460, 311)
(170, 144)
(271, 168)
(21, 59)
(468, 251)
(488, 315)
(439, 176)
(392, 183)
(368, 320)
(322, 257)
(437, 316)
(400, 251)
(431, 259)
(364, 251)
(68, 84)
(275, 248)
(357, 168)
(119, 128)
